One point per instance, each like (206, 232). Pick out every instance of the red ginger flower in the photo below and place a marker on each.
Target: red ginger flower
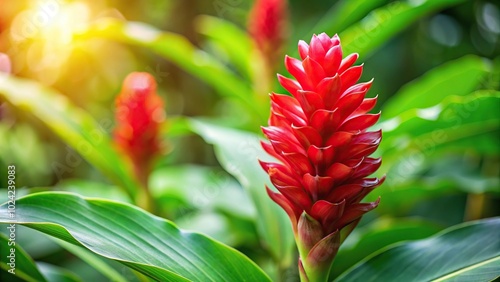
(139, 116)
(267, 25)
(319, 135)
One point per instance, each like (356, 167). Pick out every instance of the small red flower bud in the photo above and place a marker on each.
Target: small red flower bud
(139, 114)
(319, 137)
(267, 25)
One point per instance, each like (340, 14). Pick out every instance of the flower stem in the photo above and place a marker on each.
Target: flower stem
(308, 273)
(144, 199)
(474, 207)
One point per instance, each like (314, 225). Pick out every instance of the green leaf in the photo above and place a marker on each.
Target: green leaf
(459, 77)
(24, 266)
(466, 252)
(175, 127)
(343, 14)
(230, 231)
(384, 23)
(467, 173)
(456, 124)
(35, 245)
(57, 274)
(233, 40)
(418, 139)
(93, 260)
(383, 232)
(439, 177)
(203, 188)
(124, 233)
(72, 124)
(178, 50)
(412, 192)
(238, 152)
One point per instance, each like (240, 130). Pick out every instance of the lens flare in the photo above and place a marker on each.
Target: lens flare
(44, 33)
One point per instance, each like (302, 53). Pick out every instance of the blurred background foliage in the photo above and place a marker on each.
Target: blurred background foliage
(436, 66)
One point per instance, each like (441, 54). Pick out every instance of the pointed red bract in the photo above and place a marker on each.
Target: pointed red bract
(319, 135)
(267, 24)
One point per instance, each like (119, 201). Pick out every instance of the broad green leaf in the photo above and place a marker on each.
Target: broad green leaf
(35, 245)
(146, 243)
(176, 126)
(413, 192)
(93, 260)
(381, 233)
(235, 232)
(178, 50)
(465, 172)
(466, 252)
(233, 40)
(443, 175)
(343, 14)
(202, 188)
(21, 191)
(459, 77)
(385, 22)
(73, 125)
(466, 124)
(238, 152)
(436, 177)
(57, 274)
(457, 123)
(23, 265)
